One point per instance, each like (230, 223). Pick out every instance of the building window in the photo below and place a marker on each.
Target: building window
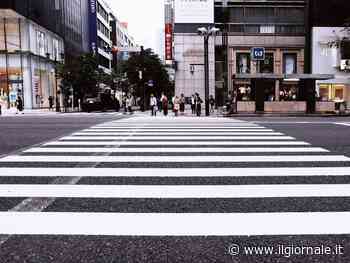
(267, 29)
(290, 63)
(55, 49)
(41, 43)
(267, 65)
(243, 63)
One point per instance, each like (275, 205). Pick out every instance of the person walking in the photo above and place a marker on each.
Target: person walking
(51, 103)
(212, 104)
(182, 104)
(129, 104)
(199, 102)
(193, 104)
(153, 104)
(19, 104)
(176, 106)
(164, 101)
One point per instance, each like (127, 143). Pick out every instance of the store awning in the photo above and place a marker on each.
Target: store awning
(284, 76)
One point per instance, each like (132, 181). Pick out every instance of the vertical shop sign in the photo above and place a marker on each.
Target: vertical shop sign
(168, 41)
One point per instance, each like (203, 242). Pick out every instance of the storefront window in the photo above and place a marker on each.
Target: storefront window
(244, 93)
(332, 92)
(288, 92)
(243, 63)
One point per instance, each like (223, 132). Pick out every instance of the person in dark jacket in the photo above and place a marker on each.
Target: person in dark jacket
(19, 104)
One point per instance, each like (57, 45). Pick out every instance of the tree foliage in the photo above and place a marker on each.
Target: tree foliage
(82, 73)
(152, 69)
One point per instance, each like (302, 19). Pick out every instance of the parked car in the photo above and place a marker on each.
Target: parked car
(102, 102)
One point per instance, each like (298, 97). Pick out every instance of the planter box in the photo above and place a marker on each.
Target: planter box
(325, 106)
(285, 106)
(246, 106)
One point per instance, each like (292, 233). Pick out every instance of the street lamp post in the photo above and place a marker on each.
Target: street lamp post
(206, 33)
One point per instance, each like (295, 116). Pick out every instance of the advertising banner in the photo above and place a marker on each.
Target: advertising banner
(93, 26)
(168, 42)
(194, 11)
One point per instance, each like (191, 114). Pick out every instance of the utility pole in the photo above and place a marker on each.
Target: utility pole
(206, 73)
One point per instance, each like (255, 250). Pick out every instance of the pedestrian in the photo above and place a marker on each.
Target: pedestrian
(212, 103)
(129, 104)
(51, 103)
(182, 104)
(199, 102)
(193, 104)
(19, 104)
(153, 104)
(176, 105)
(164, 101)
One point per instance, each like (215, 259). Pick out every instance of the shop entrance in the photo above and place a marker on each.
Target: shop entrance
(264, 91)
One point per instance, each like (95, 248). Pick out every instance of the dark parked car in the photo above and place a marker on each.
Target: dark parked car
(102, 102)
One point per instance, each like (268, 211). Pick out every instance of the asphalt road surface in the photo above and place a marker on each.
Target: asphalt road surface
(142, 189)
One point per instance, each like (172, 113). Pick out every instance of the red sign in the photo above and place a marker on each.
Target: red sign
(168, 42)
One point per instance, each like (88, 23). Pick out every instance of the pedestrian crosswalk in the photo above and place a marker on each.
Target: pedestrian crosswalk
(180, 177)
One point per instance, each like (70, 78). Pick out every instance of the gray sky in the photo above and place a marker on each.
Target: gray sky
(145, 18)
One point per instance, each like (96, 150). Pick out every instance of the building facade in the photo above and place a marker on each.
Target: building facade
(67, 18)
(330, 49)
(100, 33)
(259, 62)
(29, 54)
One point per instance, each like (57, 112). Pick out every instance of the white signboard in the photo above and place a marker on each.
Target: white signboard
(194, 11)
(129, 49)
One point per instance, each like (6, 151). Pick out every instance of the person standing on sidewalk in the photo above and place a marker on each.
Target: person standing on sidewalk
(165, 102)
(19, 104)
(51, 103)
(193, 104)
(153, 104)
(199, 102)
(176, 106)
(182, 104)
(212, 104)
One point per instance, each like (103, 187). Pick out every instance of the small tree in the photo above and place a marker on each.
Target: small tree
(81, 73)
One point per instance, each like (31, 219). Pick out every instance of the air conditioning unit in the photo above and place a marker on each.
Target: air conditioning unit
(345, 64)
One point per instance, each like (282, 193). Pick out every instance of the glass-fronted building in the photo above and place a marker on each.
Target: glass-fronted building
(28, 55)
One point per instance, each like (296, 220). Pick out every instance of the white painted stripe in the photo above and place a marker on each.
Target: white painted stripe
(175, 138)
(180, 159)
(343, 124)
(176, 150)
(160, 131)
(177, 191)
(177, 128)
(188, 143)
(177, 134)
(176, 172)
(175, 224)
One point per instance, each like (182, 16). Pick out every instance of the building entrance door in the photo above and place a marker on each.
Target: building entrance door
(264, 91)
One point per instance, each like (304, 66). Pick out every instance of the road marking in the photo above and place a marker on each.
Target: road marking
(176, 159)
(343, 124)
(178, 191)
(176, 172)
(187, 143)
(107, 133)
(175, 129)
(175, 224)
(174, 138)
(177, 150)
